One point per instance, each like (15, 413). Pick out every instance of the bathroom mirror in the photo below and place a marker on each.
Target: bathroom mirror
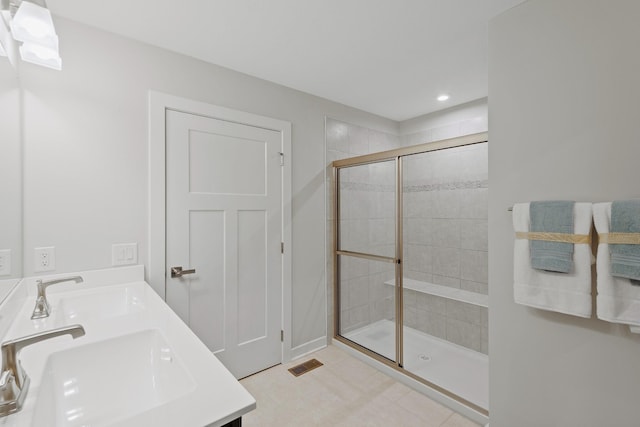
(10, 179)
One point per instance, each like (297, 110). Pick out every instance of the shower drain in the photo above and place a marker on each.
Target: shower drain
(424, 357)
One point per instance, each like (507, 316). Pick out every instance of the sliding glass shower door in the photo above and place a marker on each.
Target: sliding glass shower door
(410, 256)
(366, 255)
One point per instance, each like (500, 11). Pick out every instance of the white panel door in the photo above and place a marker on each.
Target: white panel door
(224, 219)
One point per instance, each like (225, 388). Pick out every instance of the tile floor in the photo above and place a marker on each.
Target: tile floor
(343, 392)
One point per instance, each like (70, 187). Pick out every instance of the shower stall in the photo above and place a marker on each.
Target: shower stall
(410, 262)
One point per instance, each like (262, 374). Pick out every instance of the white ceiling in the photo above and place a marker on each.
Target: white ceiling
(387, 57)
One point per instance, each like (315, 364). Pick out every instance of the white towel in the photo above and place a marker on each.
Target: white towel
(568, 293)
(618, 300)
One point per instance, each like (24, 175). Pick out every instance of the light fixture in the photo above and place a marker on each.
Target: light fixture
(32, 25)
(443, 97)
(40, 55)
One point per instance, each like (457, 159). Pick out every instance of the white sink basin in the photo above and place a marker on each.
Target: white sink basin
(99, 305)
(107, 381)
(137, 365)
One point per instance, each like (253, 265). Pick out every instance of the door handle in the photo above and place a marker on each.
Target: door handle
(179, 272)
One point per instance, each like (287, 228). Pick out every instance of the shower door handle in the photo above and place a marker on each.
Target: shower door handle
(179, 272)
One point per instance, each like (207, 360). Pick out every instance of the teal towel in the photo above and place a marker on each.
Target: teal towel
(625, 259)
(551, 217)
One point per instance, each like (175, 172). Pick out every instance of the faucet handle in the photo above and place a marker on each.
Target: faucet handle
(9, 389)
(42, 308)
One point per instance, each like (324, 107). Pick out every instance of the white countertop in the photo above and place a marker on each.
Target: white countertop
(216, 397)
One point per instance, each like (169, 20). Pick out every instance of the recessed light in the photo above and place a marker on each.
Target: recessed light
(443, 97)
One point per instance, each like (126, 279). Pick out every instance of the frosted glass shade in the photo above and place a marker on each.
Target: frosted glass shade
(40, 55)
(33, 23)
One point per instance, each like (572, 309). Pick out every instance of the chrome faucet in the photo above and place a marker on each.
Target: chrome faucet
(14, 382)
(42, 308)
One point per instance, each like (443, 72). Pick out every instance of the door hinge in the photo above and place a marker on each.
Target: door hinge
(281, 335)
(281, 247)
(281, 159)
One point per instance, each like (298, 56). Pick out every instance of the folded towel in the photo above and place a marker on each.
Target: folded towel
(625, 259)
(568, 293)
(551, 217)
(618, 300)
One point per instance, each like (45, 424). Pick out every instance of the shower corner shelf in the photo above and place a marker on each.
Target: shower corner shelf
(444, 291)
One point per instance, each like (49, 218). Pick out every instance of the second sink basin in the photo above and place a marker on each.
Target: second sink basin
(106, 381)
(100, 304)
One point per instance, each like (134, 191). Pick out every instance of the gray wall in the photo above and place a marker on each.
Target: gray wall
(86, 155)
(10, 168)
(564, 106)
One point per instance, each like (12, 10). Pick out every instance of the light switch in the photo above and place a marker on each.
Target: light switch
(124, 254)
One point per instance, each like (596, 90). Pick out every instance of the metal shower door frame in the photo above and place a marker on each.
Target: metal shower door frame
(396, 155)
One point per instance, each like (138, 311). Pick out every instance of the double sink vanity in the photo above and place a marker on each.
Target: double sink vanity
(103, 349)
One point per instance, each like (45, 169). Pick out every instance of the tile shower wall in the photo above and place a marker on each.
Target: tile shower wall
(457, 322)
(445, 217)
(445, 241)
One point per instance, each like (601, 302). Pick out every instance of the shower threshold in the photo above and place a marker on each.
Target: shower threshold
(461, 371)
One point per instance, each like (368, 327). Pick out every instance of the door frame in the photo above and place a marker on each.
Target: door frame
(159, 103)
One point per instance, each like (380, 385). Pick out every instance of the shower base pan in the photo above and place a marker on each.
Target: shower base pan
(457, 369)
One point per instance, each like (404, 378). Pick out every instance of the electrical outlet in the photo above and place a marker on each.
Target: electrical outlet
(124, 254)
(45, 259)
(5, 262)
